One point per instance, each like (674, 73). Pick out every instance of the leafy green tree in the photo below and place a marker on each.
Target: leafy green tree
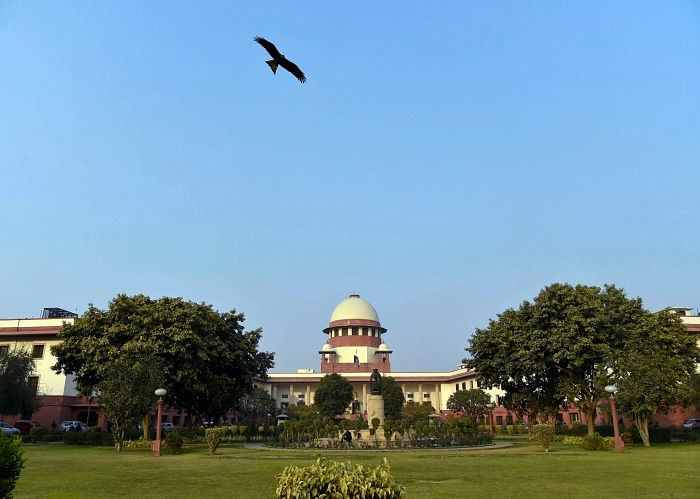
(17, 394)
(416, 411)
(208, 359)
(393, 397)
(473, 403)
(558, 348)
(333, 395)
(126, 389)
(258, 402)
(531, 385)
(694, 396)
(653, 372)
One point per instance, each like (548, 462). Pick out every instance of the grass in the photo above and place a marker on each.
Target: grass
(664, 470)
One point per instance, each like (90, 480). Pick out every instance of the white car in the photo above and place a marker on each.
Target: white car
(8, 429)
(167, 427)
(691, 424)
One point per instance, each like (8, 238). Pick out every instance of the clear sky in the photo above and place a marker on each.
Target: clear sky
(445, 160)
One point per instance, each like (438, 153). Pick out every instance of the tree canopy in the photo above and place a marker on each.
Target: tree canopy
(393, 397)
(17, 394)
(208, 360)
(654, 371)
(333, 395)
(473, 403)
(558, 349)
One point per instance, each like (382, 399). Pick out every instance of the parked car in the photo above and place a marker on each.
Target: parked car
(691, 424)
(8, 429)
(25, 425)
(167, 427)
(73, 426)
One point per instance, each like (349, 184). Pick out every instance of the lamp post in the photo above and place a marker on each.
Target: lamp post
(619, 444)
(491, 406)
(160, 392)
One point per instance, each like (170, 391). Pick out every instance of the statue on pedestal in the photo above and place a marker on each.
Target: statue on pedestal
(375, 383)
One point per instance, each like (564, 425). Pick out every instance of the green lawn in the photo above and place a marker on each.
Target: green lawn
(664, 470)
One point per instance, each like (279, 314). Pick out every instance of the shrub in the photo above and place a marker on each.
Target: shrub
(82, 438)
(173, 442)
(544, 434)
(578, 430)
(594, 442)
(11, 463)
(571, 440)
(605, 430)
(337, 479)
(108, 439)
(140, 443)
(214, 437)
(234, 430)
(37, 433)
(375, 423)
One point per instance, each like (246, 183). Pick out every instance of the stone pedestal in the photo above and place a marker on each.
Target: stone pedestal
(375, 409)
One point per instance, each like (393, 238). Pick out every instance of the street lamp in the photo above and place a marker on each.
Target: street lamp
(619, 444)
(160, 393)
(491, 407)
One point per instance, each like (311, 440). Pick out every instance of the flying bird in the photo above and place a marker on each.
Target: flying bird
(280, 60)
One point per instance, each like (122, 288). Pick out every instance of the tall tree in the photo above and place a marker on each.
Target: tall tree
(654, 371)
(558, 347)
(258, 402)
(126, 387)
(333, 395)
(208, 359)
(393, 397)
(502, 358)
(17, 393)
(473, 403)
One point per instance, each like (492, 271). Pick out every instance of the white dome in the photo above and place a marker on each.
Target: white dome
(354, 307)
(326, 348)
(383, 348)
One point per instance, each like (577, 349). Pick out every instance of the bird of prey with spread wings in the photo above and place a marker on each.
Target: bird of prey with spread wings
(280, 60)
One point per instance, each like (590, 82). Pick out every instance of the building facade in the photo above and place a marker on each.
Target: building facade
(355, 344)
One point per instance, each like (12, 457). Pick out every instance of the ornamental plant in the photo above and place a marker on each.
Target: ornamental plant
(338, 479)
(11, 463)
(214, 437)
(545, 434)
(174, 442)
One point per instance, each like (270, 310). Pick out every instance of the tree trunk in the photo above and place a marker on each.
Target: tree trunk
(146, 424)
(590, 422)
(118, 437)
(642, 424)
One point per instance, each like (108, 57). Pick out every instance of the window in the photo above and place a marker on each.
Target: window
(409, 396)
(38, 352)
(464, 386)
(33, 383)
(456, 387)
(471, 385)
(4, 349)
(574, 417)
(176, 420)
(509, 419)
(499, 420)
(285, 396)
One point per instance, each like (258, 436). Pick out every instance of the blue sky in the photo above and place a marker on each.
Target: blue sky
(446, 161)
